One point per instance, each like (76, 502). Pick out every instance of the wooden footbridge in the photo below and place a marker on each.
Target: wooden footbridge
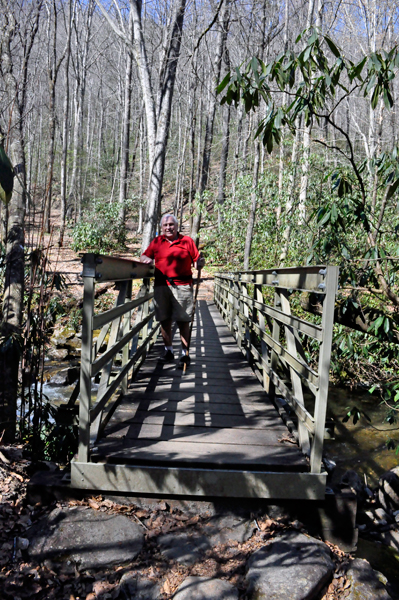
(246, 420)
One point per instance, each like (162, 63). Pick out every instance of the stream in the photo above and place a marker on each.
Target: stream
(361, 447)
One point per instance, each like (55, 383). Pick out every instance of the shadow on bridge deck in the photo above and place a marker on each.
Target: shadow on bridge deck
(215, 416)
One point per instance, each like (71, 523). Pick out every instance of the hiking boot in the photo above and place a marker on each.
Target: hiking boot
(168, 357)
(184, 360)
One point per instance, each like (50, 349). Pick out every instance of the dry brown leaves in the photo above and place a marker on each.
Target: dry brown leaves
(20, 579)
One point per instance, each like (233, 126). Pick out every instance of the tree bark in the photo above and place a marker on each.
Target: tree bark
(252, 212)
(166, 86)
(125, 137)
(10, 328)
(53, 70)
(65, 128)
(210, 118)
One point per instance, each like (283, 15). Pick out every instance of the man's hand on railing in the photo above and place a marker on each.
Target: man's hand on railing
(146, 259)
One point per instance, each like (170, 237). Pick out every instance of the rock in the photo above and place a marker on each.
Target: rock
(365, 583)
(203, 588)
(352, 481)
(390, 538)
(61, 336)
(293, 567)
(388, 490)
(57, 353)
(134, 588)
(64, 377)
(90, 539)
(381, 514)
(182, 547)
(74, 344)
(221, 529)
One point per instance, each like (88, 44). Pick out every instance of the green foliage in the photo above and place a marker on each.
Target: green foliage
(57, 436)
(227, 247)
(100, 229)
(75, 318)
(312, 78)
(355, 414)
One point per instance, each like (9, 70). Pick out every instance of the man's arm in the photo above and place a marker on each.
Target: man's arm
(146, 259)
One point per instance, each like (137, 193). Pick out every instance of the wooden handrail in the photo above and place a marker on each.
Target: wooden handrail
(272, 339)
(129, 340)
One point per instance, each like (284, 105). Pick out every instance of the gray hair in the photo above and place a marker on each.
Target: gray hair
(169, 216)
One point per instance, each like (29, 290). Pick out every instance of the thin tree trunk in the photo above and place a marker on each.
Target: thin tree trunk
(306, 135)
(290, 199)
(125, 138)
(223, 161)
(75, 190)
(222, 35)
(168, 76)
(53, 70)
(254, 202)
(65, 127)
(10, 328)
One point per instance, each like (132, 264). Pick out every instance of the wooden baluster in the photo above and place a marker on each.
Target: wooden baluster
(324, 369)
(126, 327)
(86, 362)
(296, 382)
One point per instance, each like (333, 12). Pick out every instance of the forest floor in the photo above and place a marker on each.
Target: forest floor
(21, 577)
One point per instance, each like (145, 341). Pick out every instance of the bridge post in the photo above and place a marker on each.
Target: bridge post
(126, 328)
(89, 268)
(257, 315)
(276, 338)
(320, 408)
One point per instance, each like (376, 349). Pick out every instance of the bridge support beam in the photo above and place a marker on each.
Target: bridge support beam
(197, 482)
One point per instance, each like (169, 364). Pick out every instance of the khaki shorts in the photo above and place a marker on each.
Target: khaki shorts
(173, 302)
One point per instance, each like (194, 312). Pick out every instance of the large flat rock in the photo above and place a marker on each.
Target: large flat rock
(203, 588)
(293, 567)
(86, 538)
(365, 584)
(184, 548)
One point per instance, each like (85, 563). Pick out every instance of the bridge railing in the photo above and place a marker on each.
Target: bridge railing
(287, 352)
(127, 331)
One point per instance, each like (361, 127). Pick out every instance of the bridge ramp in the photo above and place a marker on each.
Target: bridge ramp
(212, 431)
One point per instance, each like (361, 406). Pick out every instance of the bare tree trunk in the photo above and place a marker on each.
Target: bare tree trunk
(168, 75)
(252, 212)
(306, 135)
(53, 70)
(223, 161)
(206, 156)
(75, 190)
(10, 328)
(236, 165)
(125, 138)
(141, 179)
(290, 199)
(65, 127)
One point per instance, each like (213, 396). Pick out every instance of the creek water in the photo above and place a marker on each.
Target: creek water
(361, 446)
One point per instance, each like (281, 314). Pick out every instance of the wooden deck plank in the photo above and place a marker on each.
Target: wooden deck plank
(216, 415)
(197, 433)
(172, 452)
(219, 415)
(245, 413)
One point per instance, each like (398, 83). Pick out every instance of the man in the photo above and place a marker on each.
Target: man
(173, 254)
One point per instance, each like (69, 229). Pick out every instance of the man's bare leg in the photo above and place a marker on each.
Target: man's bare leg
(184, 328)
(166, 332)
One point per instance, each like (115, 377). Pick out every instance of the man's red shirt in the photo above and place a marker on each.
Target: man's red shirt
(173, 259)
